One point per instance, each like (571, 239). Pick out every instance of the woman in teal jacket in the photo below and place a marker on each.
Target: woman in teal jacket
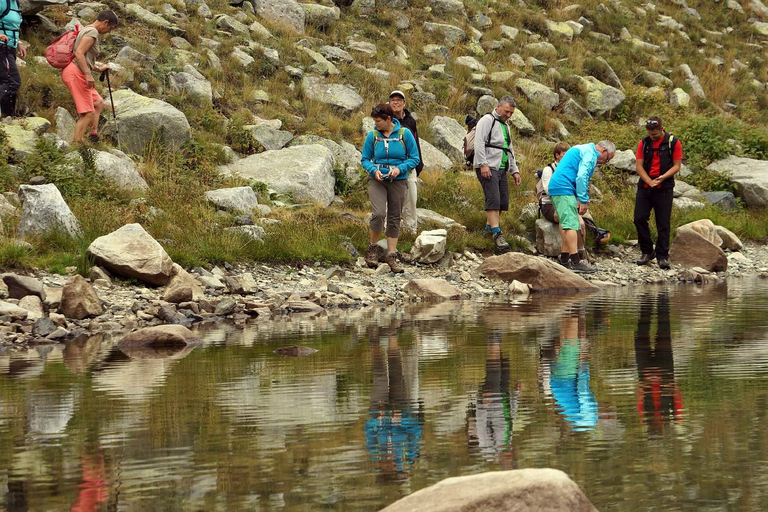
(10, 80)
(389, 154)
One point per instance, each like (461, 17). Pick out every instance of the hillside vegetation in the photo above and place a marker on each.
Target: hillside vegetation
(707, 81)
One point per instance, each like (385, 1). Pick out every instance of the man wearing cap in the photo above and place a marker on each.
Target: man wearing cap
(659, 156)
(397, 102)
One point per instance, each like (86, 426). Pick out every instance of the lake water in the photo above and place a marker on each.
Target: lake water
(650, 398)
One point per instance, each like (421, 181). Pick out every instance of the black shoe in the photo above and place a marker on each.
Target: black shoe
(93, 138)
(664, 264)
(501, 245)
(646, 258)
(582, 267)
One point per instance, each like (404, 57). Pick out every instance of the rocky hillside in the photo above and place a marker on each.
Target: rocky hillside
(275, 95)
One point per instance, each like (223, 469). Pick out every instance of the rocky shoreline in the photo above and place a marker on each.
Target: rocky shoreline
(242, 293)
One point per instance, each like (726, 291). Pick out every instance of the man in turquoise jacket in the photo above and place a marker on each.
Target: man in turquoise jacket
(569, 192)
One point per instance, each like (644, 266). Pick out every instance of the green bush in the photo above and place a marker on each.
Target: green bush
(711, 181)
(706, 139)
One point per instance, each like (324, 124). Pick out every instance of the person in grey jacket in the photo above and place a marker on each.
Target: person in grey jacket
(494, 157)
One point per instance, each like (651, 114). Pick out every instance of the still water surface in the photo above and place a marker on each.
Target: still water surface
(650, 399)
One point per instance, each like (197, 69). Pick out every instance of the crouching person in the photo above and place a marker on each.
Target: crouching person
(389, 154)
(569, 192)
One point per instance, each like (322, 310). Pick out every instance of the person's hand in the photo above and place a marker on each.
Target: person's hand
(22, 51)
(517, 178)
(89, 81)
(378, 175)
(485, 172)
(582, 208)
(656, 182)
(3, 38)
(394, 173)
(102, 69)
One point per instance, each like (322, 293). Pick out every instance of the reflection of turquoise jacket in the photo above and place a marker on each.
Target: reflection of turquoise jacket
(10, 23)
(390, 438)
(392, 152)
(570, 387)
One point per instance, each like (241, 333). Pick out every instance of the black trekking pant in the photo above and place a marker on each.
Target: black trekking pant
(660, 201)
(10, 80)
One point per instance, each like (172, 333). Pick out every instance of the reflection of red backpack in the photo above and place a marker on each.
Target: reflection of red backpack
(61, 51)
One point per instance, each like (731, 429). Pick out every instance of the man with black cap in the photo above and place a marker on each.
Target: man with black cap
(659, 156)
(397, 102)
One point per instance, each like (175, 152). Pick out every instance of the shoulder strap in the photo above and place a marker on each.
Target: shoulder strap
(493, 123)
(401, 138)
(6, 10)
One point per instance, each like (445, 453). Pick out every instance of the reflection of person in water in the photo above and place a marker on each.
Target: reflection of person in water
(496, 408)
(658, 397)
(393, 430)
(93, 490)
(569, 374)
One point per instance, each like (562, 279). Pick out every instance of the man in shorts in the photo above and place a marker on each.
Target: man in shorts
(569, 192)
(494, 157)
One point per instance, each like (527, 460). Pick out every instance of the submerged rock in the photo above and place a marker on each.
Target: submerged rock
(295, 351)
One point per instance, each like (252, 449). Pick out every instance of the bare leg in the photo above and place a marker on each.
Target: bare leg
(98, 106)
(493, 217)
(81, 125)
(391, 244)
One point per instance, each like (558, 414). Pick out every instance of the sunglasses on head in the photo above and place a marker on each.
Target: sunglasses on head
(652, 123)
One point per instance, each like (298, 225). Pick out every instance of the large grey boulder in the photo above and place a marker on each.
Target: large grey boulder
(729, 239)
(471, 63)
(653, 79)
(345, 155)
(749, 176)
(454, 7)
(522, 490)
(236, 199)
(624, 160)
(453, 35)
(538, 93)
(306, 172)
(548, 240)
(433, 158)
(429, 246)
(131, 58)
(21, 286)
(723, 199)
(691, 249)
(340, 97)
(152, 19)
(601, 98)
(287, 13)
(521, 123)
(44, 210)
(12, 310)
(269, 138)
(192, 84)
(432, 289)
(322, 65)
(320, 16)
(182, 287)
(30, 7)
(541, 274)
(574, 112)
(132, 252)
(425, 216)
(159, 336)
(20, 141)
(119, 168)
(79, 300)
(65, 124)
(448, 135)
(230, 24)
(140, 119)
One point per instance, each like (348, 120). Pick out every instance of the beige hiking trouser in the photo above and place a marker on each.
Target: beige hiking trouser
(387, 203)
(410, 221)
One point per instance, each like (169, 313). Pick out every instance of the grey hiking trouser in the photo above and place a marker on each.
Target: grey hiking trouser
(387, 199)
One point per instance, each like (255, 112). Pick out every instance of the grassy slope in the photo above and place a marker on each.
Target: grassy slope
(191, 231)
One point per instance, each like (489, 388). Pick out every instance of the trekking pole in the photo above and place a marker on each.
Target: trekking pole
(105, 73)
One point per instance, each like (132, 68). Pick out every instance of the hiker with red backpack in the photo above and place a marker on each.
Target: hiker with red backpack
(494, 157)
(389, 155)
(10, 80)
(78, 75)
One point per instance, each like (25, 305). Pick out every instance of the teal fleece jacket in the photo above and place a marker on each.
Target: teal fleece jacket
(391, 154)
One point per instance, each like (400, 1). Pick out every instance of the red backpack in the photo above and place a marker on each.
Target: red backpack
(61, 51)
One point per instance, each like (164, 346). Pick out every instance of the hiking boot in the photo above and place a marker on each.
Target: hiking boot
(373, 255)
(645, 259)
(391, 260)
(664, 264)
(582, 267)
(501, 245)
(93, 138)
(404, 257)
(567, 264)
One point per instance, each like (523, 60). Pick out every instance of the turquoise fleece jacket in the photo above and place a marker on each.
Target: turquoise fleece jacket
(12, 21)
(391, 154)
(571, 178)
